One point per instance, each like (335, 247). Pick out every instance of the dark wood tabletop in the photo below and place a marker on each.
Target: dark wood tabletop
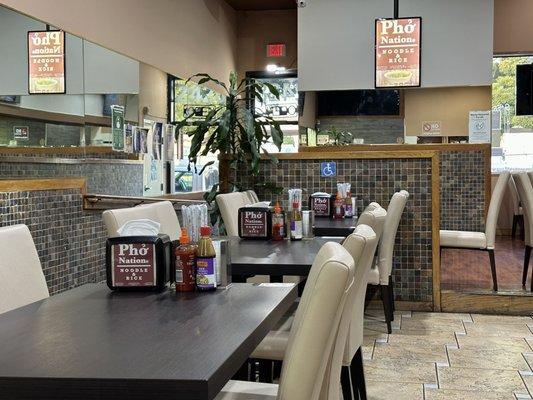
(91, 343)
(275, 258)
(334, 227)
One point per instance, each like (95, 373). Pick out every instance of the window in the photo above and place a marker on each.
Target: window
(284, 110)
(512, 135)
(194, 101)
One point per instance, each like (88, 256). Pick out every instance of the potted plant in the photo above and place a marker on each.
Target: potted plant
(234, 130)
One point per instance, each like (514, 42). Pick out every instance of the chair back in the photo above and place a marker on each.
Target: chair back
(530, 175)
(525, 191)
(316, 324)
(252, 196)
(361, 245)
(388, 237)
(162, 212)
(229, 204)
(21, 276)
(374, 216)
(513, 194)
(494, 208)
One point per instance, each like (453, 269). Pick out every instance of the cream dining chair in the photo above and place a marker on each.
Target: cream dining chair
(313, 333)
(162, 212)
(481, 241)
(518, 213)
(361, 245)
(22, 280)
(525, 191)
(381, 273)
(229, 204)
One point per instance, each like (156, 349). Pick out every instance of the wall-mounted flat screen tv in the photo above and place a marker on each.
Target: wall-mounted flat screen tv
(359, 102)
(524, 89)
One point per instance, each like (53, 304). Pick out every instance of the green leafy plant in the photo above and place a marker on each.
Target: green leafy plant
(339, 138)
(234, 130)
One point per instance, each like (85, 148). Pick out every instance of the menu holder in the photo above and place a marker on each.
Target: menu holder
(140, 263)
(255, 223)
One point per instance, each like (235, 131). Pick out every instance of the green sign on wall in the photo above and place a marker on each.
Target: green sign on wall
(117, 127)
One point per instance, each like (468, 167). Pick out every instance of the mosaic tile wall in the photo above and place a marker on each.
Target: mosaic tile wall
(70, 242)
(109, 178)
(462, 190)
(375, 180)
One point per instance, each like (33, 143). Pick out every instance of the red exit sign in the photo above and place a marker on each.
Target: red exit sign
(276, 50)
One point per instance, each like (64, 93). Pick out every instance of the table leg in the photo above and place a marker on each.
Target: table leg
(276, 278)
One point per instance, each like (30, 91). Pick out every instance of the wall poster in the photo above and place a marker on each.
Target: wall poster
(117, 127)
(479, 129)
(398, 52)
(46, 62)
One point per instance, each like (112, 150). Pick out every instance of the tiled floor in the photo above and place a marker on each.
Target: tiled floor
(470, 270)
(436, 356)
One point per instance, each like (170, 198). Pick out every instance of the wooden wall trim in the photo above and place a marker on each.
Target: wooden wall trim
(78, 151)
(341, 155)
(487, 303)
(30, 185)
(399, 147)
(435, 232)
(39, 115)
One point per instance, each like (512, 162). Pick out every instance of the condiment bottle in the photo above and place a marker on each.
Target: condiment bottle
(278, 223)
(185, 273)
(206, 261)
(348, 209)
(338, 206)
(296, 222)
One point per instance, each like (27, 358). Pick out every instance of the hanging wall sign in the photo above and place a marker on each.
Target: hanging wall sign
(46, 62)
(117, 127)
(398, 45)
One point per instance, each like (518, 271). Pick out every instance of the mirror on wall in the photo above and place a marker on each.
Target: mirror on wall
(40, 61)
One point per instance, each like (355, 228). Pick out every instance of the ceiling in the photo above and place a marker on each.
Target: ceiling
(262, 4)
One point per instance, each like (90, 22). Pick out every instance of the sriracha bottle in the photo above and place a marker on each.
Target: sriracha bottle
(185, 264)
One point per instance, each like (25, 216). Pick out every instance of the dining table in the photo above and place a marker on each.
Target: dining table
(275, 258)
(334, 227)
(91, 343)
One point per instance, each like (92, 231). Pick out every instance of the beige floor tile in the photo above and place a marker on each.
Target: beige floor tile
(492, 329)
(424, 340)
(368, 352)
(411, 352)
(431, 326)
(379, 390)
(528, 380)
(400, 371)
(449, 394)
(529, 341)
(514, 344)
(501, 319)
(488, 359)
(429, 316)
(414, 334)
(488, 380)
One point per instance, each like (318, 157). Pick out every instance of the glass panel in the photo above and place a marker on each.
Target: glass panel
(286, 107)
(512, 137)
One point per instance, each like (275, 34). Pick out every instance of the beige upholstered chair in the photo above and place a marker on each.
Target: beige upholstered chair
(252, 196)
(21, 276)
(381, 273)
(161, 211)
(229, 204)
(483, 241)
(518, 214)
(361, 245)
(525, 191)
(313, 333)
(530, 175)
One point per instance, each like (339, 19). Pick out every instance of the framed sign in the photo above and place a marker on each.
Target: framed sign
(398, 52)
(21, 133)
(46, 62)
(117, 127)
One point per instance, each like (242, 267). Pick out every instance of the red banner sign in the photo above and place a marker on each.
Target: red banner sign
(398, 52)
(46, 62)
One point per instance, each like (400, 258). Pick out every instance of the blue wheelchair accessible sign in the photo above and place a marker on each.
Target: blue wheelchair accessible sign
(328, 169)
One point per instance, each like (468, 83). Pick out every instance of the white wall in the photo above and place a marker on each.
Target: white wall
(336, 42)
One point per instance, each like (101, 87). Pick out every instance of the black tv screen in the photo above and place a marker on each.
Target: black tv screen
(359, 102)
(524, 89)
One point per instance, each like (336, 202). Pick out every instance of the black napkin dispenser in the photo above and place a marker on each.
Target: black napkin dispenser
(139, 262)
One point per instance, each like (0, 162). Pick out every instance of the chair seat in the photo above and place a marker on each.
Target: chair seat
(373, 276)
(242, 390)
(463, 239)
(273, 345)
